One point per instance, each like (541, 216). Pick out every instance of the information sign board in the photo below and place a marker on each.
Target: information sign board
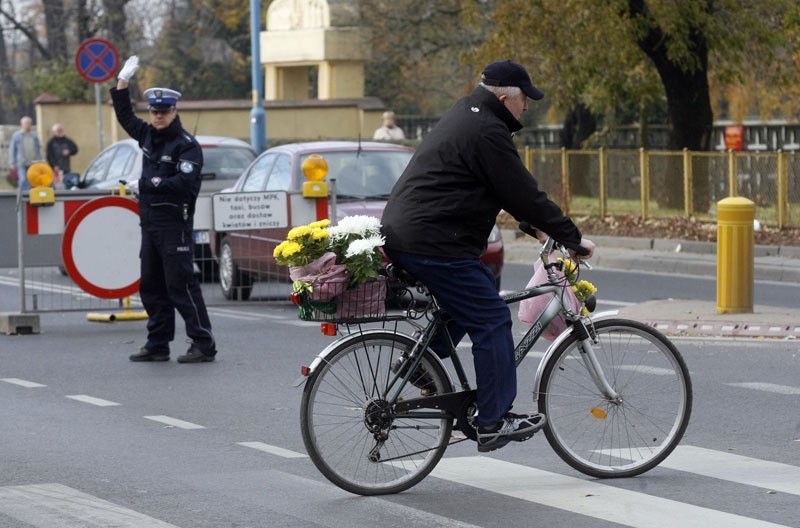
(250, 210)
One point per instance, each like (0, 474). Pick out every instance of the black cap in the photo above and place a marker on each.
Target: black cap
(509, 73)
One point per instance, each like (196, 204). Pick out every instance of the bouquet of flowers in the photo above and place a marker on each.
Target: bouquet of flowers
(329, 263)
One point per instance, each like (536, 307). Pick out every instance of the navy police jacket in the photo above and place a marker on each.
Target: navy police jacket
(465, 171)
(171, 164)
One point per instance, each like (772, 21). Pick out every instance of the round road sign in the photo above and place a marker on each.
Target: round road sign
(97, 60)
(101, 247)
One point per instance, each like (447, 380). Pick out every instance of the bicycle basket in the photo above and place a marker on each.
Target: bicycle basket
(362, 302)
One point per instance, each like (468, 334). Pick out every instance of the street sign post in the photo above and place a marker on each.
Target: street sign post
(97, 61)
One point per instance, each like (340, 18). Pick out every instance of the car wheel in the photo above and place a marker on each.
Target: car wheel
(235, 284)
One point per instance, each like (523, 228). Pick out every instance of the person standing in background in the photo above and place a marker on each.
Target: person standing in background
(24, 149)
(389, 131)
(59, 150)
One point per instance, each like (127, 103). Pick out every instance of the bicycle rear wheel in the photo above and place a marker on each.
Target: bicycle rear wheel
(349, 428)
(607, 439)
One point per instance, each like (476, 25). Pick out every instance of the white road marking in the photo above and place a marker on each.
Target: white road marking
(768, 387)
(174, 422)
(55, 505)
(94, 401)
(585, 497)
(274, 450)
(735, 468)
(23, 383)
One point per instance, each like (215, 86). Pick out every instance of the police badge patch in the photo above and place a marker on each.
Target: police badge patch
(186, 167)
(155, 180)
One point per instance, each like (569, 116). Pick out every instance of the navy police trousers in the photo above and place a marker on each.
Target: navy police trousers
(168, 283)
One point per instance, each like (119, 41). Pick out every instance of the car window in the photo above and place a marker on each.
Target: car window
(280, 178)
(257, 175)
(225, 163)
(99, 167)
(122, 164)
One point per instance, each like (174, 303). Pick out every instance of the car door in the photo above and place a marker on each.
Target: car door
(244, 244)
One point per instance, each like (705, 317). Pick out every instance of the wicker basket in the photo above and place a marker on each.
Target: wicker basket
(365, 301)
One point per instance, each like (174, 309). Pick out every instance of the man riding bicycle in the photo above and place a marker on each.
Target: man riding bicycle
(440, 214)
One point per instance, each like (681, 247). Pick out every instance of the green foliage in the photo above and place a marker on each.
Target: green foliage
(58, 78)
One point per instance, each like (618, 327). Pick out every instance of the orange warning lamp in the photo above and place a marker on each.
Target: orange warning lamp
(40, 176)
(315, 168)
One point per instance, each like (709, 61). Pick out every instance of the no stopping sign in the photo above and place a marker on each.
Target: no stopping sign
(101, 247)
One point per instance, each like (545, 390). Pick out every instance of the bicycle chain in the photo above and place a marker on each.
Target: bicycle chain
(419, 452)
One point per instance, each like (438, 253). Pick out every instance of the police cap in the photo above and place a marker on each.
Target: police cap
(161, 98)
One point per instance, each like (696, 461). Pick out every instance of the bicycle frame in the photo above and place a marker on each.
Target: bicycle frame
(425, 334)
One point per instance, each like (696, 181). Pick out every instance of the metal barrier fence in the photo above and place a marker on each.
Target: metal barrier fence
(653, 183)
(599, 182)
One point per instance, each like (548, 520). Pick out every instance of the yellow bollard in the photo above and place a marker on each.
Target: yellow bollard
(735, 255)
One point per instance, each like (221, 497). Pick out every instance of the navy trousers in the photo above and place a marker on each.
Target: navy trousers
(168, 283)
(466, 290)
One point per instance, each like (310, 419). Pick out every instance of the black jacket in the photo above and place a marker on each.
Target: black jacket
(465, 171)
(172, 161)
(55, 149)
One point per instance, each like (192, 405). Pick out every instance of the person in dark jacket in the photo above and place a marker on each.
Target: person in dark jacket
(60, 149)
(438, 220)
(168, 188)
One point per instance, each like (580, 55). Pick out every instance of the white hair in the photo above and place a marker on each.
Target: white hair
(509, 91)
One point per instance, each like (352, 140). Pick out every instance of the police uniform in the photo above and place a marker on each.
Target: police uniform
(168, 188)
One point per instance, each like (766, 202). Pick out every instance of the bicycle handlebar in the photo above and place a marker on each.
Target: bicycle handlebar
(528, 229)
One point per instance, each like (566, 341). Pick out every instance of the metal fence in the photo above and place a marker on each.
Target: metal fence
(598, 182)
(652, 183)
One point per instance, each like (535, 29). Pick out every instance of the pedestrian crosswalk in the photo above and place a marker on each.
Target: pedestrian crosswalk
(55, 505)
(58, 506)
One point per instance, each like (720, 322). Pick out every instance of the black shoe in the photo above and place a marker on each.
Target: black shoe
(145, 354)
(195, 355)
(419, 378)
(516, 427)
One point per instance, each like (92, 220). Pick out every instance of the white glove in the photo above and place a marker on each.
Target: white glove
(129, 68)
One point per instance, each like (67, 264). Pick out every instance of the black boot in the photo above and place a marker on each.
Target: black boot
(195, 355)
(145, 354)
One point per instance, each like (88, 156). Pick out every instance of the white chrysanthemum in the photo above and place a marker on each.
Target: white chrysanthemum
(364, 246)
(361, 225)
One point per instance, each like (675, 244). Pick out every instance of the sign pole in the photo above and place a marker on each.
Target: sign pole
(97, 61)
(98, 98)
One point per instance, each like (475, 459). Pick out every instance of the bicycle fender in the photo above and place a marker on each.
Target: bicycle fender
(323, 356)
(537, 380)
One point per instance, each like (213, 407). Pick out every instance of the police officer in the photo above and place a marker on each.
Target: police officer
(168, 188)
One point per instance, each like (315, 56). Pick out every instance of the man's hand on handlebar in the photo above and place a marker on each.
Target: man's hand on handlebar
(588, 246)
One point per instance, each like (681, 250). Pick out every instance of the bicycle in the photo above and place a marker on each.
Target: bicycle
(379, 406)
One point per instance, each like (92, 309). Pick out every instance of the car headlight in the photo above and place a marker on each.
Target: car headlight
(495, 235)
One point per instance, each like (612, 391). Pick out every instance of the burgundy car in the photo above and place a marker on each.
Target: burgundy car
(364, 174)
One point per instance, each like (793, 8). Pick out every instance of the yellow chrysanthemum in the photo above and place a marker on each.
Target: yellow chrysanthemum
(320, 223)
(319, 234)
(299, 231)
(278, 251)
(291, 248)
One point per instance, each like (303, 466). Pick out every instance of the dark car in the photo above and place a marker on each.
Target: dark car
(224, 159)
(361, 174)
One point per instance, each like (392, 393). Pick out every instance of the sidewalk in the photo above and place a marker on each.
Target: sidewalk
(681, 317)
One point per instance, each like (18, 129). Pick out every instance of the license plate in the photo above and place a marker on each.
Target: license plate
(201, 237)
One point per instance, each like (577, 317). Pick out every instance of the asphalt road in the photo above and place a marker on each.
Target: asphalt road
(90, 439)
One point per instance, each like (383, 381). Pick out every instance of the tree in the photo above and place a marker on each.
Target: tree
(613, 53)
(417, 49)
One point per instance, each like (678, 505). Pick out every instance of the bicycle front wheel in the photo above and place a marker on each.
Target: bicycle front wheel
(622, 438)
(349, 427)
